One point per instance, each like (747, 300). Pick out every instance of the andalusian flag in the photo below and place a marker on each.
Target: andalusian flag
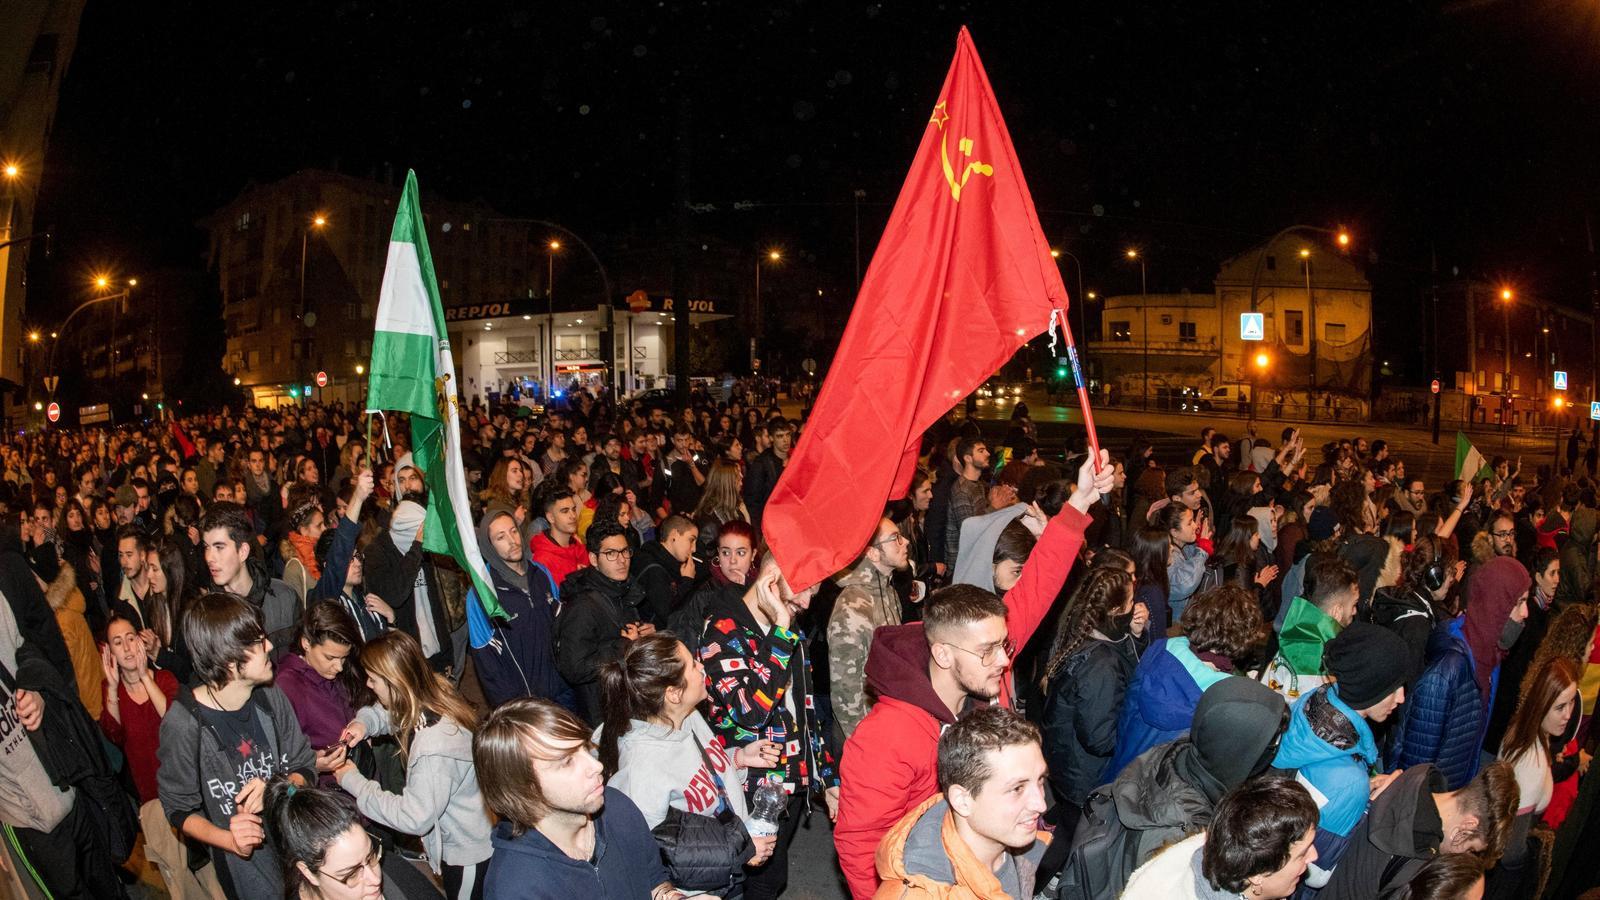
(414, 372)
(1469, 462)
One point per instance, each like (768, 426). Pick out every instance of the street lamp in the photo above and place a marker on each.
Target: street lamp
(755, 332)
(1144, 327)
(317, 222)
(554, 246)
(1311, 341)
(1506, 296)
(1083, 313)
(13, 171)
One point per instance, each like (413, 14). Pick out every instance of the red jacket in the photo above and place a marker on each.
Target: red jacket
(890, 762)
(561, 561)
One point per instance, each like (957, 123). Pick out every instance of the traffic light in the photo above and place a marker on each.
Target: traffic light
(1061, 372)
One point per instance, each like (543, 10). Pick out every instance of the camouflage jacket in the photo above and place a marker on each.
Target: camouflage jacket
(866, 601)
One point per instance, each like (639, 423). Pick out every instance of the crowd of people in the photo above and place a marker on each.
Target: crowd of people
(1260, 670)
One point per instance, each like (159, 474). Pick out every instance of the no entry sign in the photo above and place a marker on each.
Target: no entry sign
(53, 412)
(322, 379)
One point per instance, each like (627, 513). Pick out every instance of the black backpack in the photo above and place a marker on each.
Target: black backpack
(1104, 853)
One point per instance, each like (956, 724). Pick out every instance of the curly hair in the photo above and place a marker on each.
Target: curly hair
(1569, 637)
(1424, 551)
(1102, 593)
(1348, 500)
(1225, 620)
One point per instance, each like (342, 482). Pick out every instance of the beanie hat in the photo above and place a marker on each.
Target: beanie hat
(1320, 528)
(1369, 661)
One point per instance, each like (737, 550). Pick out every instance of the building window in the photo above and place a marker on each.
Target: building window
(1186, 332)
(1516, 382)
(277, 355)
(1294, 326)
(1483, 378)
(1121, 331)
(1333, 332)
(254, 359)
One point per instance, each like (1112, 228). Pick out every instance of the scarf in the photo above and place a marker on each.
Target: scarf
(305, 549)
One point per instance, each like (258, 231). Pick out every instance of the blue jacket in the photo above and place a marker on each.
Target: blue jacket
(1443, 721)
(1336, 778)
(519, 659)
(1159, 706)
(626, 863)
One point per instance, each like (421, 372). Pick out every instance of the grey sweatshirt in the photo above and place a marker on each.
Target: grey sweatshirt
(658, 767)
(27, 798)
(199, 777)
(441, 803)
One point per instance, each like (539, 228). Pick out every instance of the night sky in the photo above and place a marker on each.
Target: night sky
(1470, 128)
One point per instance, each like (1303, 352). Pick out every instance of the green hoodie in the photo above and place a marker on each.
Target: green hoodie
(1306, 629)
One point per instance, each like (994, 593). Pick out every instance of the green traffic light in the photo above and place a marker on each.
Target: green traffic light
(1061, 372)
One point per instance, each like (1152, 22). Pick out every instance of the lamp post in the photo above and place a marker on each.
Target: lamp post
(1144, 327)
(755, 331)
(317, 222)
(1311, 337)
(1083, 312)
(554, 247)
(1506, 296)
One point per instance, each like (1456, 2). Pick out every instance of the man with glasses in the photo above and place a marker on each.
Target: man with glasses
(867, 600)
(1412, 496)
(600, 614)
(926, 673)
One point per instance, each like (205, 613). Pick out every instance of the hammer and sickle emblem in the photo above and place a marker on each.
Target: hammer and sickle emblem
(941, 115)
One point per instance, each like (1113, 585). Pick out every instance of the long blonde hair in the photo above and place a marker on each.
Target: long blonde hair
(414, 689)
(720, 501)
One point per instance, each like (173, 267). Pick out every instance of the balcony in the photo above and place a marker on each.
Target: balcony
(1206, 346)
(531, 357)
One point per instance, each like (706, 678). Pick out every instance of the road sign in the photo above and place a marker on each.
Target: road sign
(50, 383)
(322, 379)
(1434, 387)
(1594, 410)
(1560, 379)
(53, 412)
(1252, 326)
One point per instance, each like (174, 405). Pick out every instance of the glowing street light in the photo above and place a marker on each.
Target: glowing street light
(1305, 252)
(360, 369)
(1507, 294)
(33, 336)
(1262, 360)
(13, 171)
(102, 282)
(1343, 238)
(774, 255)
(319, 221)
(236, 381)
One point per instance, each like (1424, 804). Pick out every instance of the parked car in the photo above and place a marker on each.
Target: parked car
(1230, 397)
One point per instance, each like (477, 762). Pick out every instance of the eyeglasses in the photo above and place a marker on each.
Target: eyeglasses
(988, 655)
(370, 864)
(895, 538)
(614, 555)
(1502, 534)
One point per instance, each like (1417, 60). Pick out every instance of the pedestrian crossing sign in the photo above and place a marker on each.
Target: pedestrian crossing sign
(1594, 410)
(1252, 326)
(1560, 379)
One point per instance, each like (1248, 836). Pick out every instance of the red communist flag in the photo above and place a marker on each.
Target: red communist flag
(962, 278)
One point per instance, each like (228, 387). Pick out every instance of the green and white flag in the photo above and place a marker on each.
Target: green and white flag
(1469, 462)
(414, 372)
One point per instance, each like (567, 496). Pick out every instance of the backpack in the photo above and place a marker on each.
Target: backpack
(1104, 853)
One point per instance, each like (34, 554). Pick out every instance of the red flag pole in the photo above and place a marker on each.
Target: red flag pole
(1083, 393)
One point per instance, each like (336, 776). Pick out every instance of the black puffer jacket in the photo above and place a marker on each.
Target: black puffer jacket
(1082, 705)
(594, 610)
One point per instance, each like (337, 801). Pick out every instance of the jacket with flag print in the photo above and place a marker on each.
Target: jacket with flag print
(1330, 750)
(890, 762)
(751, 676)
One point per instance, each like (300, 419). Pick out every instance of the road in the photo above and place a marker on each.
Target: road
(1176, 435)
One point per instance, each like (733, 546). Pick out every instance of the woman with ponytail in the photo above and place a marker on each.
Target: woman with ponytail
(434, 726)
(325, 852)
(657, 748)
(1085, 680)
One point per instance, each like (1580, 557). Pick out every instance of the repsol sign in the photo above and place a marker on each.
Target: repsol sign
(695, 306)
(478, 311)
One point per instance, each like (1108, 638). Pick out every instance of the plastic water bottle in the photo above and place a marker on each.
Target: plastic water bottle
(767, 807)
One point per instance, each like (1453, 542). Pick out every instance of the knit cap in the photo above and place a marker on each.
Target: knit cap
(1370, 662)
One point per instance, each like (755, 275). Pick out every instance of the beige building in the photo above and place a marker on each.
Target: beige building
(1315, 310)
(37, 38)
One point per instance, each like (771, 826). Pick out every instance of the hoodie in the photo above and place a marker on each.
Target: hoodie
(1335, 772)
(322, 706)
(1306, 630)
(1402, 826)
(925, 857)
(1577, 555)
(979, 534)
(1161, 699)
(560, 561)
(894, 768)
(660, 767)
(1497, 585)
(440, 801)
(1170, 792)
(626, 864)
(520, 658)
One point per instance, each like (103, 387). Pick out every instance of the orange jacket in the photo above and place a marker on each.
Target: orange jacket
(974, 881)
